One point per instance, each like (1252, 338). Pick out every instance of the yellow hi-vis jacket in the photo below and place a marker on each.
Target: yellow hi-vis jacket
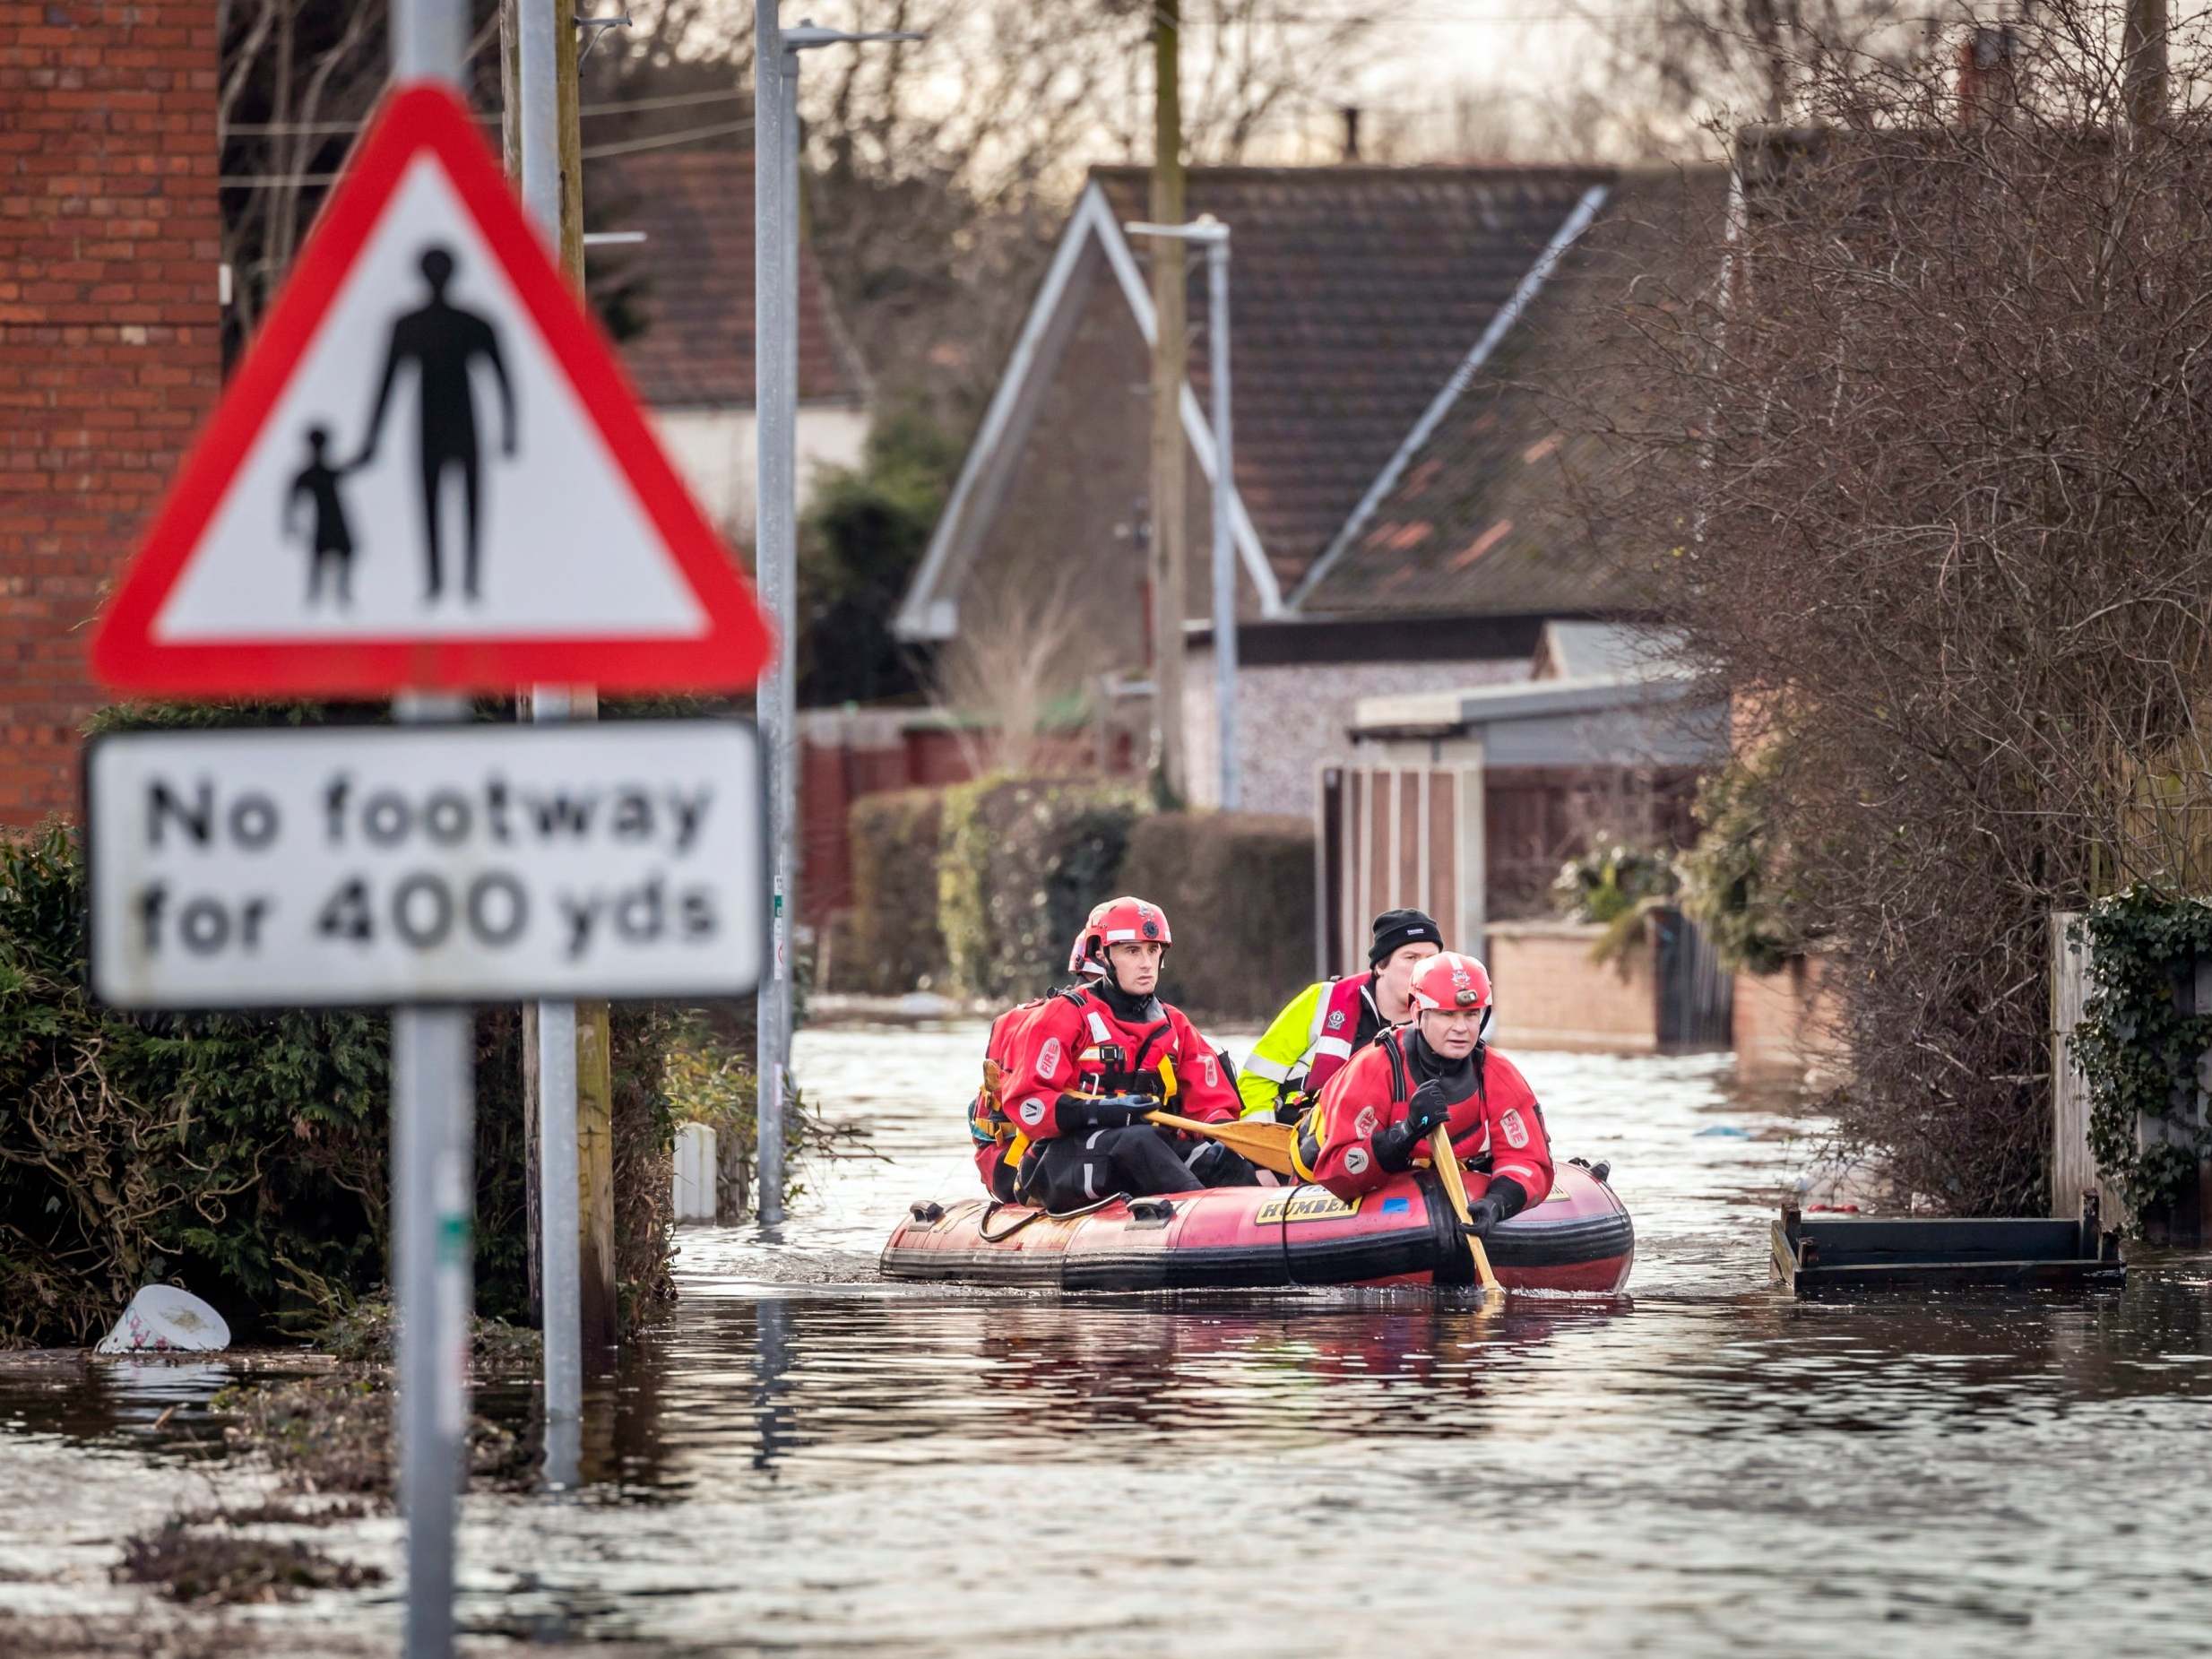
(1315, 1034)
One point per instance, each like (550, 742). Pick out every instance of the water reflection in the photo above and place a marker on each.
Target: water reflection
(805, 1457)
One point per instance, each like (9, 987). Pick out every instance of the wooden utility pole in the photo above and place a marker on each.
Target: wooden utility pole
(2143, 47)
(1169, 553)
(601, 1315)
(595, 1086)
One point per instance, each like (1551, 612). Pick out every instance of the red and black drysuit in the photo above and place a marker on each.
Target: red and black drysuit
(1089, 1046)
(1380, 1111)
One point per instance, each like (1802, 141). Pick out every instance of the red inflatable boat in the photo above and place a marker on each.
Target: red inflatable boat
(1578, 1239)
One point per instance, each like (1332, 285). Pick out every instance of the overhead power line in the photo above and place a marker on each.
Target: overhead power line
(336, 129)
(659, 141)
(662, 140)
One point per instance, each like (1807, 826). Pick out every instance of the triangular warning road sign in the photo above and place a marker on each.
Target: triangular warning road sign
(429, 473)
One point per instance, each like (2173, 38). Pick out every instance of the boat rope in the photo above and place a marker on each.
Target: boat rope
(982, 1225)
(1282, 1231)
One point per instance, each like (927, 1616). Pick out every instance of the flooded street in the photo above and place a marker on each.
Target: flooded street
(806, 1458)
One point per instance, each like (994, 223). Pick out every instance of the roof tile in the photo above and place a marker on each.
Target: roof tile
(1354, 292)
(1494, 477)
(695, 208)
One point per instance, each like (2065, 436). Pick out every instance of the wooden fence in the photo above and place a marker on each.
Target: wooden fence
(2073, 1172)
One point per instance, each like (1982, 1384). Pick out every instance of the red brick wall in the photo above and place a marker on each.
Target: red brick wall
(840, 762)
(1552, 996)
(110, 348)
(1784, 1022)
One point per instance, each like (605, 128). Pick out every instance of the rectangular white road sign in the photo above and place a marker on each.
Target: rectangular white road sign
(289, 868)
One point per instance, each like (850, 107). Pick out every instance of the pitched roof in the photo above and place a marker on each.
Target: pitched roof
(1478, 520)
(1355, 291)
(695, 208)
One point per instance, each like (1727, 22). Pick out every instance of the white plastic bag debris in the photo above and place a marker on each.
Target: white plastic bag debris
(163, 1319)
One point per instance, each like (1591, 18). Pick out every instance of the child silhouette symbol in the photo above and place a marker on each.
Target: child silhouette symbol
(330, 538)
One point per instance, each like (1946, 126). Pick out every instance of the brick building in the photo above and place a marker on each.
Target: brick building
(110, 335)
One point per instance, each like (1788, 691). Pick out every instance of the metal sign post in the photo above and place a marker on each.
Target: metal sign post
(559, 1204)
(433, 1138)
(776, 367)
(433, 1198)
(775, 358)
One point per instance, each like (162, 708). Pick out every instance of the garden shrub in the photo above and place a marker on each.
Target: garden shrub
(2141, 1044)
(1021, 862)
(891, 942)
(244, 1156)
(1735, 881)
(1238, 889)
(1619, 888)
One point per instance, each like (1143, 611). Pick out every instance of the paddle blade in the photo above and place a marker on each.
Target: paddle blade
(1267, 1145)
(1446, 1163)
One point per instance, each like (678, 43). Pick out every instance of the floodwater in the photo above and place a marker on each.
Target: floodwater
(807, 1458)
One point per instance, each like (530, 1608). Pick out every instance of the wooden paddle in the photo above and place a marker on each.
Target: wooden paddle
(1267, 1145)
(1446, 1163)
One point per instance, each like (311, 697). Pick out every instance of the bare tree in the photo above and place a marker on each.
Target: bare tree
(1762, 57)
(1019, 663)
(1916, 445)
(297, 80)
(940, 171)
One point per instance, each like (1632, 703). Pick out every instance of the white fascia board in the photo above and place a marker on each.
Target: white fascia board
(1195, 427)
(1524, 293)
(1535, 699)
(924, 615)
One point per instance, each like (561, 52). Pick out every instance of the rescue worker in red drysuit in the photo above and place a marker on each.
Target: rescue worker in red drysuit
(1375, 1117)
(1096, 1057)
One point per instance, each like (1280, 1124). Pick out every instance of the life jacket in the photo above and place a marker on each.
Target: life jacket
(1123, 1062)
(1335, 1023)
(1306, 1150)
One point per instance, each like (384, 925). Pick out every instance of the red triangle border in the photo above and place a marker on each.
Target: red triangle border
(125, 655)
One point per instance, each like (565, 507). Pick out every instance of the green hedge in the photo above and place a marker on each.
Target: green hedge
(1238, 888)
(1021, 862)
(890, 942)
(980, 888)
(243, 1156)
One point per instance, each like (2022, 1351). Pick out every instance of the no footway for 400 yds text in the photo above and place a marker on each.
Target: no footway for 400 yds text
(461, 863)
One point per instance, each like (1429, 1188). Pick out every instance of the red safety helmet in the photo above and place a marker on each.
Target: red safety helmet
(1124, 920)
(1449, 982)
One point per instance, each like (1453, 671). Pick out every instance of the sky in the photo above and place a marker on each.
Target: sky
(1491, 71)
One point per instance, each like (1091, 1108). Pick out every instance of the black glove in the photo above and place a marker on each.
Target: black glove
(1432, 1105)
(1100, 1111)
(1505, 1199)
(1216, 1166)
(1395, 1147)
(1290, 1108)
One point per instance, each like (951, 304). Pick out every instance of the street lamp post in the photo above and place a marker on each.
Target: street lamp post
(775, 368)
(1212, 235)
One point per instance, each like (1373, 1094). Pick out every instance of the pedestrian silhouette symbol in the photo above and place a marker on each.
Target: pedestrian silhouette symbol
(444, 343)
(330, 538)
(361, 517)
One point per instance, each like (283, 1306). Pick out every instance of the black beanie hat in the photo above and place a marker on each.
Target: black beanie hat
(1394, 928)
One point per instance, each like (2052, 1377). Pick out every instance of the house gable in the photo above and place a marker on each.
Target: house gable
(1092, 268)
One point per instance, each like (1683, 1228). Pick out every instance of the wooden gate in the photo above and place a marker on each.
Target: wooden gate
(1697, 995)
(1392, 836)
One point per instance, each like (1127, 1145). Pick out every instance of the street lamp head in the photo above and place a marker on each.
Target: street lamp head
(1205, 228)
(807, 36)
